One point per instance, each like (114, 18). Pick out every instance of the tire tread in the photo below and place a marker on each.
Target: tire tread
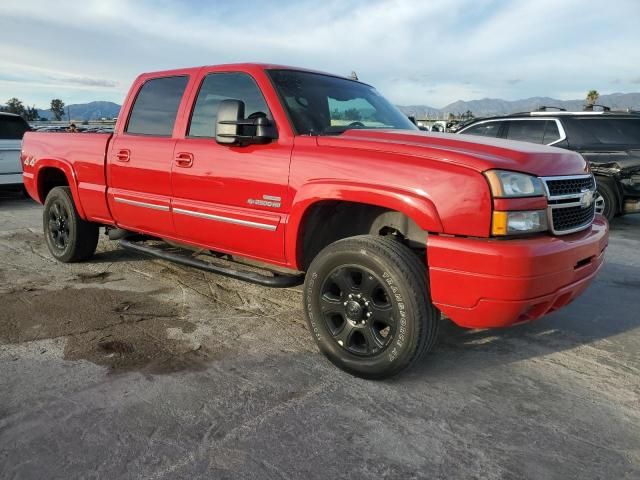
(414, 271)
(86, 239)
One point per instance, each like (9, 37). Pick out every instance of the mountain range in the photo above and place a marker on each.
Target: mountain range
(86, 111)
(480, 108)
(495, 106)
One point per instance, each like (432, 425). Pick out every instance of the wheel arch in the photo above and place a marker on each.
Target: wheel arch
(326, 213)
(51, 173)
(612, 183)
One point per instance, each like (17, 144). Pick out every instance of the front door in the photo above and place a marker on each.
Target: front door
(230, 198)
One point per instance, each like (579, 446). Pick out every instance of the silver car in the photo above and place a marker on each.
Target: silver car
(12, 128)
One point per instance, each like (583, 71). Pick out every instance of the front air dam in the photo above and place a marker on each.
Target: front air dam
(485, 283)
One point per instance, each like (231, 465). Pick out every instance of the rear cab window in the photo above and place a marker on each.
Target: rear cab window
(156, 106)
(12, 128)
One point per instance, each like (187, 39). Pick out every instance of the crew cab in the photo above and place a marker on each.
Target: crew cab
(608, 140)
(318, 179)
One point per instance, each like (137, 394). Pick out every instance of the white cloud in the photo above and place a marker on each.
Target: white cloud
(414, 52)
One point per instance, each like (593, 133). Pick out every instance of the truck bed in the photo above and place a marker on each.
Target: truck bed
(87, 153)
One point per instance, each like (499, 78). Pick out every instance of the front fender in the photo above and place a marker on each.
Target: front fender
(416, 205)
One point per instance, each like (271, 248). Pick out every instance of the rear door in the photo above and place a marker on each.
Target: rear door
(12, 129)
(140, 159)
(535, 130)
(230, 198)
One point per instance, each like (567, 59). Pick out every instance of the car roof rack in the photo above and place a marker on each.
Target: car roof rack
(547, 108)
(589, 108)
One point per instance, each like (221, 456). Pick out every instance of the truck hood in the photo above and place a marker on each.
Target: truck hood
(477, 153)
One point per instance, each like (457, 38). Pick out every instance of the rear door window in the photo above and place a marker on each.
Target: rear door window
(488, 129)
(12, 128)
(156, 106)
(531, 131)
(551, 132)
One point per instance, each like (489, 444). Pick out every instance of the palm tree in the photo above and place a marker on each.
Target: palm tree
(592, 97)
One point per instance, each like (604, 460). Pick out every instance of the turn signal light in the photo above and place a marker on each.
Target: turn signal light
(518, 222)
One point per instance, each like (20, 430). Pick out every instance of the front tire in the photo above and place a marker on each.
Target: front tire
(368, 306)
(606, 201)
(69, 237)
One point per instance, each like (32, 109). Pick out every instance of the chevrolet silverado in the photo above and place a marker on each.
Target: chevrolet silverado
(317, 178)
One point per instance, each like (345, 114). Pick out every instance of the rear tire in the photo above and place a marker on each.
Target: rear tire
(368, 306)
(69, 237)
(606, 200)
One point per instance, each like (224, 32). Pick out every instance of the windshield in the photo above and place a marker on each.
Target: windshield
(323, 105)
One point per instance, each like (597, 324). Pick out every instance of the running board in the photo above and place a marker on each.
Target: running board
(275, 281)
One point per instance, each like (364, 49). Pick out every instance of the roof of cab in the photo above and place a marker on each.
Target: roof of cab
(247, 67)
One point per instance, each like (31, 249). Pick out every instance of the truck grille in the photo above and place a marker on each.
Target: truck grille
(569, 186)
(569, 218)
(571, 203)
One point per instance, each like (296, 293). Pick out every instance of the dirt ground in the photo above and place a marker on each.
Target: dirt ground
(126, 367)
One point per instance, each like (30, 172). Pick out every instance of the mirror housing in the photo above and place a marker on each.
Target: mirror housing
(233, 129)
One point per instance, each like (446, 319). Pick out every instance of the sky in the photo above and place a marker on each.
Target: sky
(416, 52)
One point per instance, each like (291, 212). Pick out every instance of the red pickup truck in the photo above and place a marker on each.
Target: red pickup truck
(321, 180)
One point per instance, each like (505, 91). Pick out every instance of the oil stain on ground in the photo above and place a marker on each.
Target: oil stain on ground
(116, 329)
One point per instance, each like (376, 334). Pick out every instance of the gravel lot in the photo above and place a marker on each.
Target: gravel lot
(125, 367)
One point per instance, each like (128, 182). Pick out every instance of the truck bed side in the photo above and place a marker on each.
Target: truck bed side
(74, 159)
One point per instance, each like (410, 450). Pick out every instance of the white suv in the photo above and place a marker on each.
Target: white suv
(12, 128)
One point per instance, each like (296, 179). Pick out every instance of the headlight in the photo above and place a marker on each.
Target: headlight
(519, 222)
(512, 184)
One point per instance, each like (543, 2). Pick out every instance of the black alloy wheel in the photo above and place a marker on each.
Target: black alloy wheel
(59, 225)
(368, 306)
(68, 236)
(357, 310)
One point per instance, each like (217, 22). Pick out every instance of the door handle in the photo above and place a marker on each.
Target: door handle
(123, 155)
(184, 159)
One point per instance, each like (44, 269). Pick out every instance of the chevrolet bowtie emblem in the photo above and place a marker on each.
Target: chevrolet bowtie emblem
(586, 198)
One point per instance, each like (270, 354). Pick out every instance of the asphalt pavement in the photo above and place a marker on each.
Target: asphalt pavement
(127, 367)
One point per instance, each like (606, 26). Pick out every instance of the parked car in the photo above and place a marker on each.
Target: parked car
(12, 129)
(386, 226)
(610, 141)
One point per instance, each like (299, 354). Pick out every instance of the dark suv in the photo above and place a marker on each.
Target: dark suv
(609, 141)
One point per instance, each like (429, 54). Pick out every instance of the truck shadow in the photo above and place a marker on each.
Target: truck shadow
(608, 308)
(116, 255)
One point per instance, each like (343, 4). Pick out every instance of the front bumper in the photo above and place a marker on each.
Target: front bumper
(483, 283)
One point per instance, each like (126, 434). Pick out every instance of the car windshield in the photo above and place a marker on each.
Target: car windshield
(324, 105)
(12, 128)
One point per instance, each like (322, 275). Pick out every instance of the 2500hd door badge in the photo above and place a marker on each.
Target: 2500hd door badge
(266, 201)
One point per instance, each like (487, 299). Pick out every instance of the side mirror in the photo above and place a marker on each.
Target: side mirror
(233, 129)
